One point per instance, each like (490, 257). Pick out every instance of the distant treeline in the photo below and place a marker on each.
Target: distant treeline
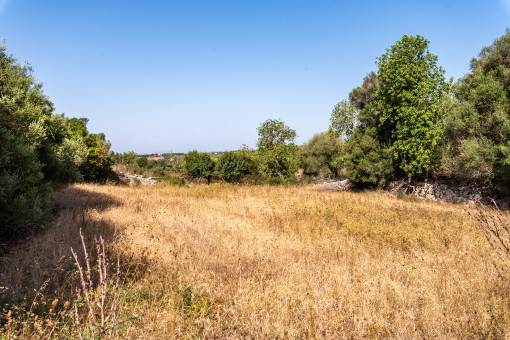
(404, 121)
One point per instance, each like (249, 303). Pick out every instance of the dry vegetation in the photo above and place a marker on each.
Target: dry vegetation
(225, 261)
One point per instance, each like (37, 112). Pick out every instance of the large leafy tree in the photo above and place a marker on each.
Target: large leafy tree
(38, 154)
(276, 148)
(411, 104)
(478, 126)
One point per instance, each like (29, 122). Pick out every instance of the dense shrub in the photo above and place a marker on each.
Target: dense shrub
(142, 162)
(199, 165)
(97, 166)
(478, 124)
(233, 166)
(321, 154)
(38, 154)
(366, 160)
(173, 180)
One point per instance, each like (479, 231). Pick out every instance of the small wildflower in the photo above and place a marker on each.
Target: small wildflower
(54, 303)
(67, 304)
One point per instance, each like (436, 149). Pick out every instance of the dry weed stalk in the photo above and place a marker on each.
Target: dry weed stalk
(235, 262)
(497, 232)
(106, 298)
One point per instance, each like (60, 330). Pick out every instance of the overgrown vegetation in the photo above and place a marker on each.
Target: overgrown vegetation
(40, 151)
(38, 154)
(405, 121)
(243, 261)
(227, 261)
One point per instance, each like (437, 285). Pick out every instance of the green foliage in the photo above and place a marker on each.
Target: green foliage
(128, 158)
(199, 165)
(343, 119)
(321, 154)
(273, 133)
(98, 163)
(411, 104)
(174, 180)
(366, 161)
(233, 166)
(478, 124)
(142, 162)
(160, 167)
(277, 153)
(38, 154)
(366, 157)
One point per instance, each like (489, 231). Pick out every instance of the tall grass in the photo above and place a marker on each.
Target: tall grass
(226, 261)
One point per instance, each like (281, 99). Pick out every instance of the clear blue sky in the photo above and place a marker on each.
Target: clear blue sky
(157, 76)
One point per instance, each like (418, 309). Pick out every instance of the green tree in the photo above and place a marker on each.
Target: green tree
(366, 160)
(142, 162)
(199, 165)
(273, 133)
(321, 154)
(128, 158)
(478, 123)
(411, 103)
(343, 119)
(277, 151)
(98, 163)
(37, 152)
(233, 166)
(366, 157)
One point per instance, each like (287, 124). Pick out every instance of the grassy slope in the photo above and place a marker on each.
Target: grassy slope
(236, 261)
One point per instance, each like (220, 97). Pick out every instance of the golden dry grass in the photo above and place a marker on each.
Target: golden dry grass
(225, 261)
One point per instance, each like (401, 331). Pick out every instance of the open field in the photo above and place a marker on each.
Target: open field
(226, 261)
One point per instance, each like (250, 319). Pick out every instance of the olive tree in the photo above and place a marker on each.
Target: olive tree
(276, 148)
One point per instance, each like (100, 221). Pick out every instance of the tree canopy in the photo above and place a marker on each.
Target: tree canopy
(411, 103)
(38, 153)
(276, 149)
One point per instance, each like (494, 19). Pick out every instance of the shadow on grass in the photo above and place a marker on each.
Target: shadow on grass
(77, 198)
(41, 266)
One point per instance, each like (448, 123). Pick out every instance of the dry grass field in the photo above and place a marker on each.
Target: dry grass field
(225, 261)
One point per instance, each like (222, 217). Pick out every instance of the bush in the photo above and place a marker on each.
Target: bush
(142, 162)
(199, 165)
(321, 154)
(38, 154)
(233, 166)
(97, 166)
(478, 124)
(366, 161)
(174, 180)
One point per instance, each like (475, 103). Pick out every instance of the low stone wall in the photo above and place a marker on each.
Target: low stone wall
(443, 191)
(333, 185)
(136, 179)
(436, 191)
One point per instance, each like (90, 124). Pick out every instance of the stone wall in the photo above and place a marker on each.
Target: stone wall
(448, 191)
(136, 179)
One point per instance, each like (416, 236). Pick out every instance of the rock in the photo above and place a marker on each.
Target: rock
(137, 179)
(334, 185)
